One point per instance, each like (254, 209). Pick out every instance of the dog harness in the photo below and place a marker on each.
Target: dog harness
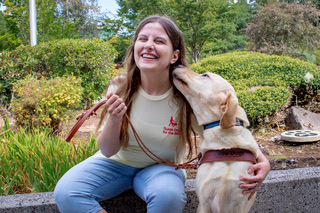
(232, 154)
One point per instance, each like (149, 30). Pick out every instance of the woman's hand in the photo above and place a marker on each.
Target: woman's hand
(109, 139)
(116, 107)
(260, 171)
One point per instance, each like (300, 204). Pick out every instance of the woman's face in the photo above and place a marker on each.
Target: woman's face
(153, 50)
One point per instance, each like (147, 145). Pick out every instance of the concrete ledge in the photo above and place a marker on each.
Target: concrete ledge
(294, 190)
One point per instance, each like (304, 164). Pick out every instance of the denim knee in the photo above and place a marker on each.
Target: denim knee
(68, 200)
(162, 188)
(60, 195)
(63, 198)
(170, 196)
(167, 199)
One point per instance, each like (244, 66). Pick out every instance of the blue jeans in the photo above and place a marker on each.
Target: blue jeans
(97, 179)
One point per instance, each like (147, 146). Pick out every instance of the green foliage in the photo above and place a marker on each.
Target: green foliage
(317, 53)
(263, 101)
(229, 32)
(207, 26)
(210, 27)
(45, 103)
(89, 59)
(81, 14)
(121, 44)
(289, 29)
(51, 26)
(8, 41)
(262, 82)
(35, 161)
(56, 19)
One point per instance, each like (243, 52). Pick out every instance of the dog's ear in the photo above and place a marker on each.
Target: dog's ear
(232, 111)
(229, 109)
(241, 115)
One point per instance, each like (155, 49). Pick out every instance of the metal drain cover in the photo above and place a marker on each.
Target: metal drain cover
(300, 136)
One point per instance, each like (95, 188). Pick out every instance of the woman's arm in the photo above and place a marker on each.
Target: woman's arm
(109, 139)
(260, 170)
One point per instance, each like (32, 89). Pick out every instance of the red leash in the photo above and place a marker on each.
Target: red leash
(233, 154)
(81, 119)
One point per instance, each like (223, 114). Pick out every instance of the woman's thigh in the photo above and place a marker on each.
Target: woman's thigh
(162, 188)
(91, 181)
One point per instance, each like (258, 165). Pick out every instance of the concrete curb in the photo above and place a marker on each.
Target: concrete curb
(293, 190)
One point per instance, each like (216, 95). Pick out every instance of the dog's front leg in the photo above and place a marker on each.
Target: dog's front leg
(204, 207)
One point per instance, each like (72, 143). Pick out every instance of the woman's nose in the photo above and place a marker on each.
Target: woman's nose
(149, 46)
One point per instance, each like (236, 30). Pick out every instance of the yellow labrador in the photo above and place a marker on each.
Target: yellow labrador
(215, 106)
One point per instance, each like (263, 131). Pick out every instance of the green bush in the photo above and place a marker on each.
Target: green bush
(90, 59)
(45, 103)
(35, 161)
(317, 53)
(263, 82)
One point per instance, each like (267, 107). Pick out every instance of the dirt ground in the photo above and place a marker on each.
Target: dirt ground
(281, 154)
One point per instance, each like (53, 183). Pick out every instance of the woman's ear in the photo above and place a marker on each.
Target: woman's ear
(175, 56)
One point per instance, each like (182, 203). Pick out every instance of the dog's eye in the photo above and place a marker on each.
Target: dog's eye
(205, 75)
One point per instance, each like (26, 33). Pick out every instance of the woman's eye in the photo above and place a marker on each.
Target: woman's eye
(142, 39)
(160, 41)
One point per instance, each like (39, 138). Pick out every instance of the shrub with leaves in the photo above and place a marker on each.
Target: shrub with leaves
(317, 53)
(89, 59)
(45, 103)
(264, 83)
(282, 28)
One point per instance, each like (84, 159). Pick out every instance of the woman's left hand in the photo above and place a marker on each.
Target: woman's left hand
(259, 171)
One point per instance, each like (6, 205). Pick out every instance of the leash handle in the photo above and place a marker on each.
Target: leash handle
(144, 148)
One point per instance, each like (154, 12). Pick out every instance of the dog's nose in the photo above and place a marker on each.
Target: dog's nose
(180, 66)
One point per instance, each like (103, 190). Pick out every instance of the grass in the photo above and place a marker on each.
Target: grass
(33, 160)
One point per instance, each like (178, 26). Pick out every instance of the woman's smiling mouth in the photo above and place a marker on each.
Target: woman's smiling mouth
(148, 56)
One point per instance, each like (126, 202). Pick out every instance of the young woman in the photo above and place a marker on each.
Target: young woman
(164, 121)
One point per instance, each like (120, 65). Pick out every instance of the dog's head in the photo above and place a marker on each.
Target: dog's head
(211, 97)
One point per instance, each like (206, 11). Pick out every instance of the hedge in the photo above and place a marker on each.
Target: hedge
(90, 59)
(263, 82)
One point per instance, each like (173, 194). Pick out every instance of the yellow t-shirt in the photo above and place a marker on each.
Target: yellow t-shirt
(154, 118)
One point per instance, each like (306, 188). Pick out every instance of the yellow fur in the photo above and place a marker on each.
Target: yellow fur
(212, 98)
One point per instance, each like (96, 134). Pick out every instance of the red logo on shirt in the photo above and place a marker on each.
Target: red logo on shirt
(172, 122)
(171, 129)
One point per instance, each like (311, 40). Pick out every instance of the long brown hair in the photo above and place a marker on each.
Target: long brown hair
(128, 85)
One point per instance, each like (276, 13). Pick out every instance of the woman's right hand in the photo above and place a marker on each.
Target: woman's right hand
(116, 107)
(109, 139)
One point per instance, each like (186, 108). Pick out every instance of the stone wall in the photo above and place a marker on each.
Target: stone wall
(293, 190)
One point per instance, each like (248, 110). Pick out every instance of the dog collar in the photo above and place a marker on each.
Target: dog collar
(217, 123)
